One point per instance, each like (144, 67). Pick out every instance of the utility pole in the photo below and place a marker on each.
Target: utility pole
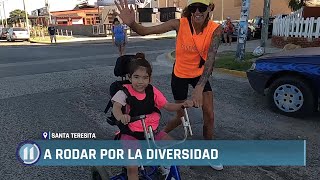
(48, 9)
(4, 12)
(243, 30)
(222, 9)
(265, 23)
(1, 18)
(27, 20)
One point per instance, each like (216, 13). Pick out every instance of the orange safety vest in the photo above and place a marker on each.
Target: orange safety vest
(190, 48)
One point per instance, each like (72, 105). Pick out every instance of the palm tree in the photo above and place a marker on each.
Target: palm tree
(16, 16)
(296, 4)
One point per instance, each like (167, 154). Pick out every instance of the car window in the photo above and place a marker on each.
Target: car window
(19, 29)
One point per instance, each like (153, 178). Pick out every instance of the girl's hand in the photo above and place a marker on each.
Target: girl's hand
(188, 104)
(126, 13)
(125, 119)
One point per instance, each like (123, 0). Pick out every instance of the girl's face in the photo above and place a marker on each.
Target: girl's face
(140, 79)
(199, 12)
(117, 22)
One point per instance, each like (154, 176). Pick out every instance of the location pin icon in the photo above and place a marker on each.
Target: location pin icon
(45, 134)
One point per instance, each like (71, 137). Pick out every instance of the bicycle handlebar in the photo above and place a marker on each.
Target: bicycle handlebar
(149, 132)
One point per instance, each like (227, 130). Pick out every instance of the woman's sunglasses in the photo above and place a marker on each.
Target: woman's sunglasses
(201, 8)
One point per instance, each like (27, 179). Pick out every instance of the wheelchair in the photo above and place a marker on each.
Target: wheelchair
(145, 172)
(148, 172)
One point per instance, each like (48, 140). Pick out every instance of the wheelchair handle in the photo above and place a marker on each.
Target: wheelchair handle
(182, 107)
(137, 118)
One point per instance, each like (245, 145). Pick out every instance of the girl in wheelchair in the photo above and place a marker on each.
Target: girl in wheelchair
(141, 98)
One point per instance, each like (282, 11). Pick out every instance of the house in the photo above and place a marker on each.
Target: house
(85, 16)
(232, 8)
(300, 28)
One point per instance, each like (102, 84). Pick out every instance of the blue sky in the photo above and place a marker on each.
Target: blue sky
(55, 5)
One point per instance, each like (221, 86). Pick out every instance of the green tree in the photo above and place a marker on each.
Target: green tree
(17, 15)
(296, 4)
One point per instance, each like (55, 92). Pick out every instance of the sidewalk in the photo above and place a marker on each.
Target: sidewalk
(167, 60)
(250, 46)
(85, 39)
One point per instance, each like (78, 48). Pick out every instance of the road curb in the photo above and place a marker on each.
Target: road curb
(236, 73)
(39, 42)
(104, 40)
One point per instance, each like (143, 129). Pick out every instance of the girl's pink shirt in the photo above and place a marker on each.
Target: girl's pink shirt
(151, 119)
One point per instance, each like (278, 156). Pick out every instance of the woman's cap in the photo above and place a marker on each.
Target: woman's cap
(206, 2)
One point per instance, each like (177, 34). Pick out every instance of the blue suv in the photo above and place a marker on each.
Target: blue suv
(289, 79)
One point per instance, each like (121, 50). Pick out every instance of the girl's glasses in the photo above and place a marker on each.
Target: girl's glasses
(201, 8)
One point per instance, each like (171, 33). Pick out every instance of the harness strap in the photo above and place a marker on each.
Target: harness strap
(137, 135)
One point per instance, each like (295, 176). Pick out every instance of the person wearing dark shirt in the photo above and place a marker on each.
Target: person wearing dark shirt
(52, 33)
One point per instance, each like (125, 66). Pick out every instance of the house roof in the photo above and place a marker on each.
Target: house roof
(74, 10)
(71, 15)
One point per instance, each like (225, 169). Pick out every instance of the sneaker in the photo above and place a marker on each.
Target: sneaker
(217, 167)
(165, 170)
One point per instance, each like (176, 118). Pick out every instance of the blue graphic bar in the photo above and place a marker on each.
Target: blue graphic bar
(191, 152)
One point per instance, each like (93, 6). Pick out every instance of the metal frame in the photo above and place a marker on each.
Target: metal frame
(174, 170)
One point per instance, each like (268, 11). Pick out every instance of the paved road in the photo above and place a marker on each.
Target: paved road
(65, 88)
(16, 43)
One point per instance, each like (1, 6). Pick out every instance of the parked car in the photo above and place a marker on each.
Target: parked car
(3, 33)
(289, 79)
(257, 24)
(17, 33)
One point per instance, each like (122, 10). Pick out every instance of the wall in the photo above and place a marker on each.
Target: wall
(232, 8)
(77, 21)
(80, 12)
(311, 12)
(280, 42)
(79, 29)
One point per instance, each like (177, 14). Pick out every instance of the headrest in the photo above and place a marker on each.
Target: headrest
(121, 68)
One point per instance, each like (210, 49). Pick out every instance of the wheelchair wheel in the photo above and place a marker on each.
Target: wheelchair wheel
(150, 172)
(99, 173)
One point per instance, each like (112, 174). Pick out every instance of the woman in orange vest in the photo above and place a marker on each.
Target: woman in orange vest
(198, 39)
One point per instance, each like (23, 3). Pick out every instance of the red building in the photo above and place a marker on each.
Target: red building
(85, 16)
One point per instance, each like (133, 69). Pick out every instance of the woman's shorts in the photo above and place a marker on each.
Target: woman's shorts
(228, 33)
(119, 43)
(180, 86)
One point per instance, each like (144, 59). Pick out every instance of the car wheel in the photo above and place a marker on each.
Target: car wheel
(291, 96)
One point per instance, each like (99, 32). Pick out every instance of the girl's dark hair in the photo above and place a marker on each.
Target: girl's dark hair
(115, 20)
(138, 61)
(186, 13)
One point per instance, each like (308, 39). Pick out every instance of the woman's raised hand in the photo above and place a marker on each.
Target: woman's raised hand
(126, 14)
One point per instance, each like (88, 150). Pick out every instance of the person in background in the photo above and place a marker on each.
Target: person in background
(119, 36)
(52, 33)
(228, 31)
